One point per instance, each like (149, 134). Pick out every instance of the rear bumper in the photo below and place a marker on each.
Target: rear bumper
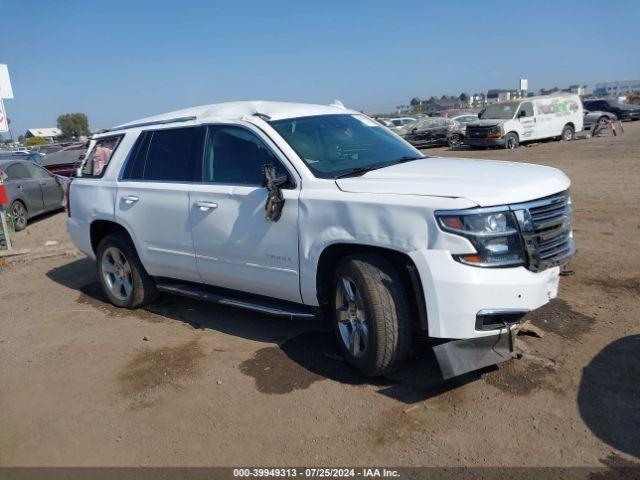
(470, 302)
(484, 142)
(80, 236)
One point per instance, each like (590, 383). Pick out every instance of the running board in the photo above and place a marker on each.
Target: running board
(276, 308)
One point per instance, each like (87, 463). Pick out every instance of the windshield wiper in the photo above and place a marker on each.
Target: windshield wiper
(358, 171)
(355, 172)
(408, 158)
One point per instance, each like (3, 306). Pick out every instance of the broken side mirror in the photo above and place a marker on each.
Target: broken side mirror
(275, 199)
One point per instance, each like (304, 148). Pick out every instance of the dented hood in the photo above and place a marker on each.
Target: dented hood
(484, 182)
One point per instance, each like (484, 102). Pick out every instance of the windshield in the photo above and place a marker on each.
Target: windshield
(502, 111)
(332, 145)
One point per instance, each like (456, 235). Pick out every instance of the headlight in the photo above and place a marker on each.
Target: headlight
(494, 235)
(495, 132)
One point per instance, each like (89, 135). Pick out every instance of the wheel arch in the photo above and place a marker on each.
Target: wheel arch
(101, 228)
(515, 132)
(334, 253)
(22, 201)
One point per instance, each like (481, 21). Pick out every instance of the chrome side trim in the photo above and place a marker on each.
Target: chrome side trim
(172, 252)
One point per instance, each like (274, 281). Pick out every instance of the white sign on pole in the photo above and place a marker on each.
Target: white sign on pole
(4, 123)
(5, 82)
(524, 84)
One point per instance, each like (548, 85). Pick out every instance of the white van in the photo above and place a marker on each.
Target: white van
(508, 124)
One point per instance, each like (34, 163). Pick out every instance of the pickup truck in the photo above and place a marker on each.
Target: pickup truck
(304, 211)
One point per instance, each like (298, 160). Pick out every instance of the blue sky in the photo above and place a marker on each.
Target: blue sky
(121, 60)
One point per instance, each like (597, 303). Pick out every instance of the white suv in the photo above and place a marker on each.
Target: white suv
(304, 210)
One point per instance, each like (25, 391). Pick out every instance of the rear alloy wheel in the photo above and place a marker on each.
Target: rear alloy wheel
(511, 141)
(567, 133)
(124, 280)
(19, 215)
(371, 314)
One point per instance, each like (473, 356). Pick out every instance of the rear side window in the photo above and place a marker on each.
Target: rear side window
(171, 155)
(36, 171)
(99, 157)
(17, 171)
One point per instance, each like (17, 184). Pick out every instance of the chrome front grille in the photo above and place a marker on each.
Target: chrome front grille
(545, 225)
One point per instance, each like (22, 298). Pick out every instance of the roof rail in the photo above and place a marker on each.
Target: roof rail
(156, 122)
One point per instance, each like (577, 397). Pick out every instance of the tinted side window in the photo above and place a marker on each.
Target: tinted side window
(166, 155)
(134, 168)
(37, 172)
(235, 156)
(17, 171)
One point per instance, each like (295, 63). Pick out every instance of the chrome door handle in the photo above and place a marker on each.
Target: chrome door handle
(204, 206)
(130, 199)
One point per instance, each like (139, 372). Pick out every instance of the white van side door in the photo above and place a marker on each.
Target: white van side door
(529, 128)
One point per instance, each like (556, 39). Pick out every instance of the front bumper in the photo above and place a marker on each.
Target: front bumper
(629, 116)
(484, 142)
(457, 294)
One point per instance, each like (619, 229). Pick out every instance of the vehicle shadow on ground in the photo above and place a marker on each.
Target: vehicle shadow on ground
(305, 351)
(609, 395)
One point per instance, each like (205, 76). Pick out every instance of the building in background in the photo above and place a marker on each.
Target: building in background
(577, 89)
(49, 134)
(500, 95)
(617, 89)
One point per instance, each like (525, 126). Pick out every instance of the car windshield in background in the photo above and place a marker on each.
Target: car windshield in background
(332, 145)
(503, 111)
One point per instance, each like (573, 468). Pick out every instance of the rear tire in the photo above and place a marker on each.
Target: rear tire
(124, 280)
(511, 141)
(568, 133)
(18, 212)
(371, 314)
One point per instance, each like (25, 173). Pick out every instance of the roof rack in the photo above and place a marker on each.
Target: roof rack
(156, 122)
(262, 116)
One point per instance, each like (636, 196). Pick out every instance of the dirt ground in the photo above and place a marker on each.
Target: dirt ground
(189, 383)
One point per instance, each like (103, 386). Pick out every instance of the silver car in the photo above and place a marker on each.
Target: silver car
(32, 190)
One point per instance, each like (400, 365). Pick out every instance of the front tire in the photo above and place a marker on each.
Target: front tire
(511, 141)
(371, 314)
(124, 280)
(454, 141)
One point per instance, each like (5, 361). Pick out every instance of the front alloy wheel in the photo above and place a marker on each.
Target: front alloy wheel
(371, 314)
(352, 321)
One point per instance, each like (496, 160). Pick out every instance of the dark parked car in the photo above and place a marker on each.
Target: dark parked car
(624, 111)
(32, 190)
(63, 162)
(32, 156)
(433, 131)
